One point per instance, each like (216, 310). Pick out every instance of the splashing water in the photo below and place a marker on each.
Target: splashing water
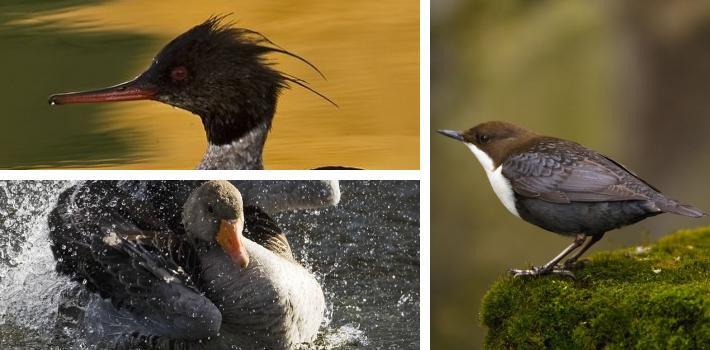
(365, 253)
(29, 287)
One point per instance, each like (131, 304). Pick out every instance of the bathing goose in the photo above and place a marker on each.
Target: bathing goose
(225, 277)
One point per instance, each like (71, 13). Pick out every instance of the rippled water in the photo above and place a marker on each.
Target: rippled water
(365, 252)
(369, 51)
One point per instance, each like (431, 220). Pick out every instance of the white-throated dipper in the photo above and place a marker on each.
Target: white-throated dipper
(218, 72)
(563, 187)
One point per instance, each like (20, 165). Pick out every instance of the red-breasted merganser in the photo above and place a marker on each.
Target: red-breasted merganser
(218, 72)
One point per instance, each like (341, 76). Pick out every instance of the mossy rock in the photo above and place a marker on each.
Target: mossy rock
(651, 297)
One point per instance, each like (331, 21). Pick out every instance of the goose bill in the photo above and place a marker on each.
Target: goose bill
(230, 239)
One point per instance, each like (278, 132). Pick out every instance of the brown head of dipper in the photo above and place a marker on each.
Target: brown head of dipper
(562, 187)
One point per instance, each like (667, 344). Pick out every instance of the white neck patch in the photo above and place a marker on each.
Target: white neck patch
(243, 153)
(501, 185)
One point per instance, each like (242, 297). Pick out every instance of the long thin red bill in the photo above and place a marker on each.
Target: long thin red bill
(128, 91)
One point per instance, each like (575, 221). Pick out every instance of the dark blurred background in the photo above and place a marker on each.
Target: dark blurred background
(630, 79)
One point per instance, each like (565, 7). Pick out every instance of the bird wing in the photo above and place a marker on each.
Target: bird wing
(105, 239)
(96, 225)
(263, 229)
(280, 196)
(576, 174)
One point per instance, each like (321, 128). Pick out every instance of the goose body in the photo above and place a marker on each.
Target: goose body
(290, 305)
(161, 285)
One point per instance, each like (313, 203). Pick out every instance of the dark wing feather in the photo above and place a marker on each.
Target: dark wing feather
(564, 173)
(105, 239)
(116, 245)
(262, 229)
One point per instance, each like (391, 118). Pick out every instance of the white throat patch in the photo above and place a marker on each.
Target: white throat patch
(501, 185)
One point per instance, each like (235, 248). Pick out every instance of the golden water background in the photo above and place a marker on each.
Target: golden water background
(369, 51)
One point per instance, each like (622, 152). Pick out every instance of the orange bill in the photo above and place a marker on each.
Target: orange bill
(231, 240)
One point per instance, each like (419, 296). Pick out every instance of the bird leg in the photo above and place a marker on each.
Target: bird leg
(573, 259)
(551, 267)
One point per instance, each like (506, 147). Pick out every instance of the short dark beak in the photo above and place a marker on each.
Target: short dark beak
(136, 89)
(452, 134)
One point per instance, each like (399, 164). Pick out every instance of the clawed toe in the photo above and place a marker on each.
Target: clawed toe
(520, 273)
(539, 271)
(535, 271)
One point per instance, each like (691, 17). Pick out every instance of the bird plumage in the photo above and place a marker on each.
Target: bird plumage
(168, 289)
(559, 171)
(220, 73)
(562, 186)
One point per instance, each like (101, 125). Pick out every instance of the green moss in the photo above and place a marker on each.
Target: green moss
(655, 297)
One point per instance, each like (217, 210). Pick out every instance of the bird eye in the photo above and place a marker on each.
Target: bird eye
(178, 73)
(210, 209)
(483, 138)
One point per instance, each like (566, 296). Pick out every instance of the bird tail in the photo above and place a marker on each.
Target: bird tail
(674, 207)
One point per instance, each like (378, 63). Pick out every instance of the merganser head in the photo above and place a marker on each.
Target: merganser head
(214, 70)
(214, 213)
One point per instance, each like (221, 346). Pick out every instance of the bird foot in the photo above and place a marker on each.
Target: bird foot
(539, 271)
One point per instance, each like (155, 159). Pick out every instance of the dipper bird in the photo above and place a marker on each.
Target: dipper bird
(219, 73)
(223, 277)
(563, 187)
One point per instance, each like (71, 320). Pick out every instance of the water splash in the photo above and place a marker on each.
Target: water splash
(364, 252)
(348, 335)
(29, 287)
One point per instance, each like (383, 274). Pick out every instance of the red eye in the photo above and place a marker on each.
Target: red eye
(178, 73)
